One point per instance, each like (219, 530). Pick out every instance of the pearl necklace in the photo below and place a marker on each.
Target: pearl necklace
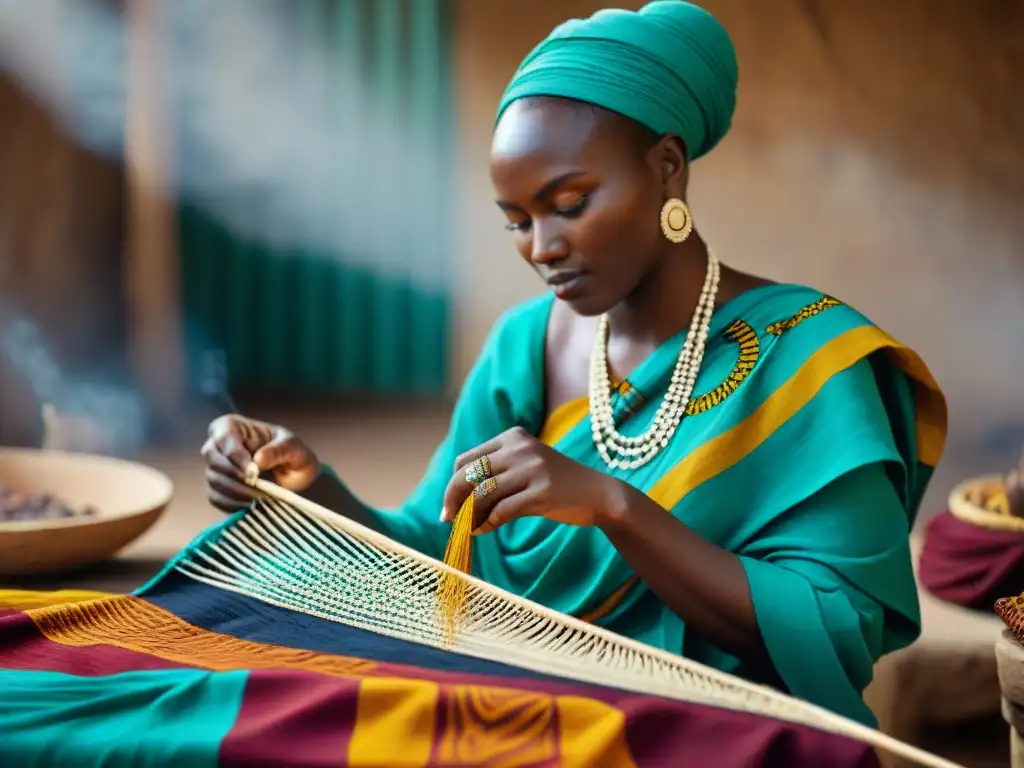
(619, 451)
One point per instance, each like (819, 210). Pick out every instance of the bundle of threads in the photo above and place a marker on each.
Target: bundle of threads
(451, 587)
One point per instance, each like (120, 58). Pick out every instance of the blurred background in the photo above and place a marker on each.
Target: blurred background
(282, 206)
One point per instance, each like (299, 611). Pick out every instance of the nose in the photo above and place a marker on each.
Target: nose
(548, 246)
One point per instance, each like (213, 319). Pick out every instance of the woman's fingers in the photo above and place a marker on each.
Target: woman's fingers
(226, 488)
(459, 487)
(485, 449)
(504, 483)
(220, 463)
(232, 448)
(226, 460)
(500, 491)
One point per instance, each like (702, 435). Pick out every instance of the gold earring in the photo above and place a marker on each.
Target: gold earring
(676, 222)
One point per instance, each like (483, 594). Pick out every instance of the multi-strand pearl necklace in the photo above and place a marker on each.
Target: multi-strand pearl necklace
(619, 451)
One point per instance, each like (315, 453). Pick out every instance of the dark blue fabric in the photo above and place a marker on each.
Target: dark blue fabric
(244, 617)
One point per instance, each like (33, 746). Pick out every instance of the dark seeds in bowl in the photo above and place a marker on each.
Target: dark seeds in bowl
(20, 507)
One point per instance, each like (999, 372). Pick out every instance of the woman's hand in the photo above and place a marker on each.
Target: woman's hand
(234, 442)
(531, 478)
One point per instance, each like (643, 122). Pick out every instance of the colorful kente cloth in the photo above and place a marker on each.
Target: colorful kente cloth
(185, 674)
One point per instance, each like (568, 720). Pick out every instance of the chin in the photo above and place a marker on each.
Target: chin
(587, 306)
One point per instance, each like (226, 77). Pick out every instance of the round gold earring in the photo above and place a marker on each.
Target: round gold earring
(676, 222)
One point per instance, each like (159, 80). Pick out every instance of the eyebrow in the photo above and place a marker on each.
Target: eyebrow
(546, 189)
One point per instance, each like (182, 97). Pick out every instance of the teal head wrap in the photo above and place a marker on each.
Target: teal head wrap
(669, 66)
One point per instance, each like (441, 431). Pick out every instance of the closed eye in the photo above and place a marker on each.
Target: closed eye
(574, 210)
(518, 226)
(565, 211)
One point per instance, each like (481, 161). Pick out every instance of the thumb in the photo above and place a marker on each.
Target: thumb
(280, 453)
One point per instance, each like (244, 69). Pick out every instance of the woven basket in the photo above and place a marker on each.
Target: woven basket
(962, 508)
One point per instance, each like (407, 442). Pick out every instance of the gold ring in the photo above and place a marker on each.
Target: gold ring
(489, 485)
(478, 470)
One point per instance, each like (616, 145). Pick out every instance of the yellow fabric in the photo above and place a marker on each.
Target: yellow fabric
(23, 599)
(394, 723)
(591, 734)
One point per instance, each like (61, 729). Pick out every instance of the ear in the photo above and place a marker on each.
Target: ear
(669, 156)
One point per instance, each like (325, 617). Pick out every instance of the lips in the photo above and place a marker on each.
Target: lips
(566, 285)
(561, 278)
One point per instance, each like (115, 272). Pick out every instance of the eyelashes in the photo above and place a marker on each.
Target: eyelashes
(571, 212)
(575, 210)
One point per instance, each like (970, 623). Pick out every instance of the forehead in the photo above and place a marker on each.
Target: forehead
(553, 134)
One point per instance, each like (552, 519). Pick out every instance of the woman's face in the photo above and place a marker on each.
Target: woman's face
(582, 189)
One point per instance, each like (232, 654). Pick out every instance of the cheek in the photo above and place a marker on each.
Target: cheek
(524, 246)
(614, 235)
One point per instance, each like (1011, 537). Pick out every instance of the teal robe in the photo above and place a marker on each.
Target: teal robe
(807, 448)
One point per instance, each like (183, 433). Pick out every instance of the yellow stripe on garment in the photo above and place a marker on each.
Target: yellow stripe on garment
(729, 448)
(609, 605)
(726, 450)
(592, 733)
(565, 417)
(25, 600)
(563, 420)
(395, 722)
(931, 414)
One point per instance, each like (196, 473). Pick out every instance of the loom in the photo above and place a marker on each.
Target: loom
(292, 553)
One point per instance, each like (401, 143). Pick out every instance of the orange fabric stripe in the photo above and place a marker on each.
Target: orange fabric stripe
(499, 728)
(397, 718)
(727, 449)
(135, 625)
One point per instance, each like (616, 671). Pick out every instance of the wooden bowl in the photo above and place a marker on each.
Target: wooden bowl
(129, 496)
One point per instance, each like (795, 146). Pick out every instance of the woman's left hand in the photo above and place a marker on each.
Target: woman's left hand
(531, 478)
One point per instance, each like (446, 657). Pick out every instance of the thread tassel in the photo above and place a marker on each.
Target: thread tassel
(452, 589)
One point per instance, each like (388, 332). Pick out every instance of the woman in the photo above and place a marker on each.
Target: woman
(697, 458)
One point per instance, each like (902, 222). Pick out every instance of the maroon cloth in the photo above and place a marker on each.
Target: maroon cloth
(302, 719)
(969, 565)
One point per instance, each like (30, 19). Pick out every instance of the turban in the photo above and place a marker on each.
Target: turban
(669, 66)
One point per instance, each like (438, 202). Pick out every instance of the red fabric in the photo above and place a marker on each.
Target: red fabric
(969, 565)
(292, 720)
